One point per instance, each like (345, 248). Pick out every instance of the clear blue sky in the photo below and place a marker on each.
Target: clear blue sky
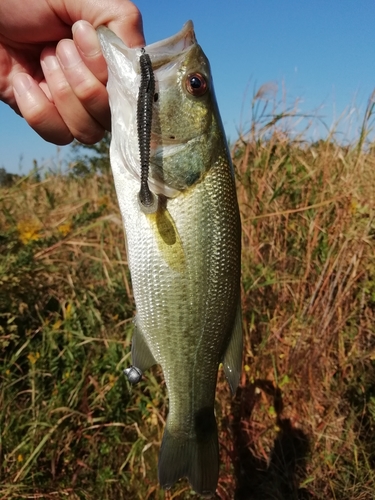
(322, 52)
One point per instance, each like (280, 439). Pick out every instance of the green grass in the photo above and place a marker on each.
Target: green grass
(302, 424)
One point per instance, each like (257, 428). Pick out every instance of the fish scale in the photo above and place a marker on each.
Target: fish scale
(184, 257)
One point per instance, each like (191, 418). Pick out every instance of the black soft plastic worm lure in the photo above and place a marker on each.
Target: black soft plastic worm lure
(144, 121)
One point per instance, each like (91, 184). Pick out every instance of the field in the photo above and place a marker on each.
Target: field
(302, 423)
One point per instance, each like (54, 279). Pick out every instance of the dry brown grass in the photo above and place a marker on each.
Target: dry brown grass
(302, 423)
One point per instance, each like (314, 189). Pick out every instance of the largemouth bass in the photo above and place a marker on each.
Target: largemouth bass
(184, 251)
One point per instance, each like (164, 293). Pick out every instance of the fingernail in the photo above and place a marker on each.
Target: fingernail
(67, 54)
(50, 62)
(21, 83)
(86, 38)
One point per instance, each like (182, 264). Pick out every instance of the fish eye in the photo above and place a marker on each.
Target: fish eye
(196, 84)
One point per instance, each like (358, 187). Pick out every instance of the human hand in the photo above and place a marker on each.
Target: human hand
(58, 84)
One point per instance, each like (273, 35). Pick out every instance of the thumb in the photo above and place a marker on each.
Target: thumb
(121, 16)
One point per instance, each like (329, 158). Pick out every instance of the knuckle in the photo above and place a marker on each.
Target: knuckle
(61, 90)
(50, 127)
(90, 135)
(86, 91)
(37, 116)
(56, 133)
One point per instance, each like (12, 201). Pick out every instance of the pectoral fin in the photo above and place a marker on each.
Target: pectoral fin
(232, 360)
(142, 357)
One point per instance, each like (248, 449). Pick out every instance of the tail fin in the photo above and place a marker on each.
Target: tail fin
(195, 457)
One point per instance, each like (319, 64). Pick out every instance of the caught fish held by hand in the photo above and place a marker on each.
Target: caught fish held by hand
(175, 186)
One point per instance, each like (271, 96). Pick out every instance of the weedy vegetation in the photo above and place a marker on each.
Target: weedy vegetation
(302, 423)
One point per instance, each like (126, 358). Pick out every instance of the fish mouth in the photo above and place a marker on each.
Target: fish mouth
(163, 51)
(125, 75)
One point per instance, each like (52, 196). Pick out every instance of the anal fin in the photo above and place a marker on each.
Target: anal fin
(232, 361)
